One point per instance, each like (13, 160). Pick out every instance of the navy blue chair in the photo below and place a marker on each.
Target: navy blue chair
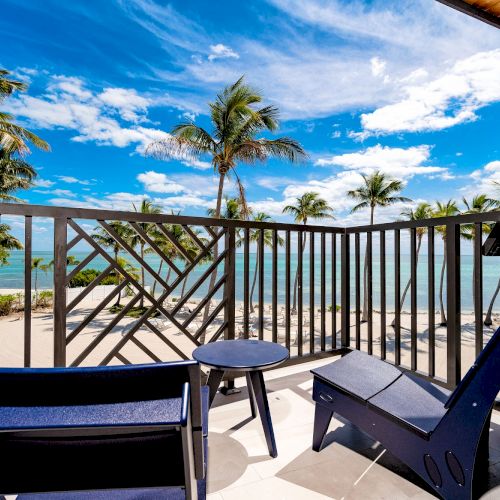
(137, 431)
(442, 436)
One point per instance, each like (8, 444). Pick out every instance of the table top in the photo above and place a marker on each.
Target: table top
(241, 355)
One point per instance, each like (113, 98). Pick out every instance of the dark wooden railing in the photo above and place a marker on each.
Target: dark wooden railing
(256, 270)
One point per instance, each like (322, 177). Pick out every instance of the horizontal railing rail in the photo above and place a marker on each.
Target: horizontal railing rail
(313, 288)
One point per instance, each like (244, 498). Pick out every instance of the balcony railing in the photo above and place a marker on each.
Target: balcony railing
(303, 286)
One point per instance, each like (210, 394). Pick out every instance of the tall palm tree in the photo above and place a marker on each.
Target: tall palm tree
(308, 206)
(236, 121)
(15, 174)
(7, 243)
(38, 265)
(421, 211)
(268, 242)
(378, 190)
(103, 238)
(447, 209)
(480, 203)
(13, 137)
(135, 239)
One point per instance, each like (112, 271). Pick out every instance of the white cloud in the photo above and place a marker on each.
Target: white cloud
(72, 180)
(93, 115)
(221, 51)
(378, 66)
(398, 162)
(441, 103)
(156, 182)
(273, 183)
(44, 183)
(487, 179)
(131, 106)
(57, 192)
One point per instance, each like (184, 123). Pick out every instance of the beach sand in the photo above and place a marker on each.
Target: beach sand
(42, 341)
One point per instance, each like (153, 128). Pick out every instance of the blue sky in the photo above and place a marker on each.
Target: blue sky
(411, 88)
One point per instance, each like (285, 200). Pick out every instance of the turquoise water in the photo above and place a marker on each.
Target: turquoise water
(12, 276)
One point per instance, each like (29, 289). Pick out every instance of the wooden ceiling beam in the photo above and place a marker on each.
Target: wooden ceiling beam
(473, 11)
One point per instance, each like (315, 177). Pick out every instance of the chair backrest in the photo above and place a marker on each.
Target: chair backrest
(109, 384)
(487, 365)
(94, 385)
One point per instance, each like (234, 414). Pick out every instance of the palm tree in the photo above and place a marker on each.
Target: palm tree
(421, 211)
(378, 190)
(14, 138)
(15, 174)
(268, 242)
(37, 265)
(308, 206)
(7, 243)
(480, 203)
(447, 209)
(103, 238)
(146, 207)
(236, 122)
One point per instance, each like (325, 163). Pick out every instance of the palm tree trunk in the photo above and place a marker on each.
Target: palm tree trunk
(143, 279)
(364, 316)
(254, 280)
(213, 277)
(405, 291)
(36, 286)
(487, 320)
(183, 291)
(294, 306)
(155, 281)
(118, 280)
(443, 316)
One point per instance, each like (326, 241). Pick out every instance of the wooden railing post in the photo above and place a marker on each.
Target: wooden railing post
(60, 244)
(229, 287)
(453, 327)
(229, 297)
(345, 291)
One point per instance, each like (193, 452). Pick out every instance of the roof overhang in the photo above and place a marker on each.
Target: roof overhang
(487, 11)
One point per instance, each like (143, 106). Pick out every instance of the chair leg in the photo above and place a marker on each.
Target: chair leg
(322, 418)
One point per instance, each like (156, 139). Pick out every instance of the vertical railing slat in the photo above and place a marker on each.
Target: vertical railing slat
(345, 303)
(431, 297)
(311, 293)
(275, 287)
(397, 297)
(453, 333)
(334, 291)
(357, 274)
(28, 250)
(288, 312)
(246, 282)
(383, 301)
(299, 293)
(478, 286)
(261, 283)
(323, 292)
(369, 290)
(413, 297)
(60, 243)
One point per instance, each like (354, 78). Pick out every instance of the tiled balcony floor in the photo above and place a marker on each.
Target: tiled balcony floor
(353, 466)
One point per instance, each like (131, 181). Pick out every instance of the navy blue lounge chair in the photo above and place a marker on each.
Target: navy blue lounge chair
(442, 436)
(137, 431)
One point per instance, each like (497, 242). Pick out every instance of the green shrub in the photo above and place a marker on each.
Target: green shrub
(6, 303)
(85, 277)
(45, 298)
(133, 312)
(337, 308)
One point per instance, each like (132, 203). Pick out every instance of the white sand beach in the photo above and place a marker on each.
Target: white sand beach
(42, 341)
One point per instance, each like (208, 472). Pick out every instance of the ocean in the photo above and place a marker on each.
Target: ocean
(12, 276)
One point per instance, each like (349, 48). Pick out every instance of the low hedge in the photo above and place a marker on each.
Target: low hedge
(6, 303)
(85, 277)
